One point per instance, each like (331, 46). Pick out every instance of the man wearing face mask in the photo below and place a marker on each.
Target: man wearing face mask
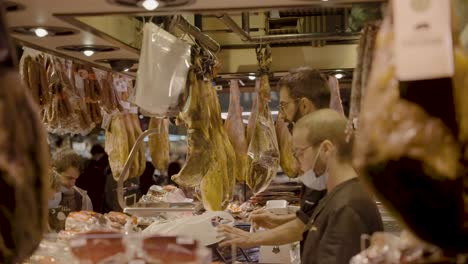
(66, 165)
(342, 216)
(302, 92)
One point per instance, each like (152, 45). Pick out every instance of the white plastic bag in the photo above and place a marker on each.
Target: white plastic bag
(162, 71)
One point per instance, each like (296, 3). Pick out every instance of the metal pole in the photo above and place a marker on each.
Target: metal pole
(284, 38)
(204, 39)
(129, 163)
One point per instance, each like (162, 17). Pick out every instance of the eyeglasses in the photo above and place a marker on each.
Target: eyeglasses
(299, 152)
(283, 104)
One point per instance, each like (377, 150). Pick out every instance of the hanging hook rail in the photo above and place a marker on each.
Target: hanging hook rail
(204, 39)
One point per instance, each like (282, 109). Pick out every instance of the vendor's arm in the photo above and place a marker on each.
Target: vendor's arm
(284, 234)
(265, 219)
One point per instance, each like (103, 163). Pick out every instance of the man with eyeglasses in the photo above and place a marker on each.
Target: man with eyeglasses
(302, 92)
(342, 216)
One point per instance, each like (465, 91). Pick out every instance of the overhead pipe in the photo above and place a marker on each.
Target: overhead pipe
(283, 38)
(204, 39)
(246, 22)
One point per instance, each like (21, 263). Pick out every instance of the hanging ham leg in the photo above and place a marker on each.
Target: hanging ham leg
(407, 148)
(263, 148)
(335, 97)
(196, 117)
(288, 162)
(159, 144)
(361, 74)
(235, 130)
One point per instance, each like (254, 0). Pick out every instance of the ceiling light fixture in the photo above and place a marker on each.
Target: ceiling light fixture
(252, 78)
(41, 32)
(339, 75)
(88, 52)
(126, 70)
(150, 5)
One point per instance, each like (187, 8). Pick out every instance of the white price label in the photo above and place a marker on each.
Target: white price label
(423, 39)
(79, 82)
(133, 110)
(125, 105)
(106, 120)
(79, 242)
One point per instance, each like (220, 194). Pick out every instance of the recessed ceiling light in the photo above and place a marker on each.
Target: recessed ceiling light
(150, 5)
(339, 75)
(252, 77)
(41, 32)
(88, 53)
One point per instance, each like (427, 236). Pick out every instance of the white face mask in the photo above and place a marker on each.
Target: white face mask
(310, 179)
(55, 201)
(66, 190)
(313, 182)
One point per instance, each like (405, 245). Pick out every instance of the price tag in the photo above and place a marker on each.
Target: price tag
(125, 105)
(133, 110)
(423, 39)
(79, 82)
(79, 242)
(106, 120)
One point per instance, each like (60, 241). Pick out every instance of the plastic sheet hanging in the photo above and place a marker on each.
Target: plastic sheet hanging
(162, 72)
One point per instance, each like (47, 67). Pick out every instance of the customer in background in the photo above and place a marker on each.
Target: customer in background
(93, 178)
(147, 179)
(67, 164)
(173, 168)
(342, 216)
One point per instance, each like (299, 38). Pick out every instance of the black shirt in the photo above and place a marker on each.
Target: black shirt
(338, 222)
(309, 200)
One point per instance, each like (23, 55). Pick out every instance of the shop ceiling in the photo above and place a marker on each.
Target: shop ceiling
(302, 32)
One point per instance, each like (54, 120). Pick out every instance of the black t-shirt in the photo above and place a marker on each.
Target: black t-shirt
(338, 222)
(309, 200)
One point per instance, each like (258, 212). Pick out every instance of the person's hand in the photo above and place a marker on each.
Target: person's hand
(235, 236)
(263, 218)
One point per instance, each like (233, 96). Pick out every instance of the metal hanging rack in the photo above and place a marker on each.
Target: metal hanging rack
(154, 209)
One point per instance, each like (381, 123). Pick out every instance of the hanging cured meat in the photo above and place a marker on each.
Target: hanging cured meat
(253, 116)
(140, 160)
(335, 97)
(196, 117)
(116, 145)
(24, 167)
(361, 73)
(159, 144)
(288, 162)
(211, 158)
(263, 151)
(121, 136)
(224, 173)
(408, 147)
(235, 129)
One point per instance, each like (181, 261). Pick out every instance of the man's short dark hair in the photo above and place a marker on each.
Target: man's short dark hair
(66, 158)
(328, 124)
(308, 83)
(97, 149)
